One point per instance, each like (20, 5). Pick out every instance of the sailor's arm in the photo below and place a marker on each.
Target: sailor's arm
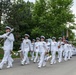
(10, 37)
(3, 36)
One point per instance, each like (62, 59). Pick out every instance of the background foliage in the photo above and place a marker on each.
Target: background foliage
(44, 17)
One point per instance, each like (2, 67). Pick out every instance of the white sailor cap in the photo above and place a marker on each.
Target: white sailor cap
(33, 40)
(37, 38)
(7, 27)
(27, 35)
(60, 38)
(22, 38)
(43, 37)
(54, 38)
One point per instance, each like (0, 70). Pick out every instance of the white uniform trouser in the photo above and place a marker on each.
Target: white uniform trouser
(6, 58)
(36, 57)
(25, 57)
(60, 55)
(42, 61)
(66, 55)
(63, 53)
(53, 60)
(69, 54)
(32, 55)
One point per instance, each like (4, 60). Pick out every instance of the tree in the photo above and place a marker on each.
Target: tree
(52, 15)
(20, 18)
(45, 17)
(5, 6)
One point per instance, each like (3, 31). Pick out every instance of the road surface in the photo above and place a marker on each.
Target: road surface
(64, 68)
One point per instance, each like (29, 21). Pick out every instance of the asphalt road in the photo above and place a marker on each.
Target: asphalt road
(64, 68)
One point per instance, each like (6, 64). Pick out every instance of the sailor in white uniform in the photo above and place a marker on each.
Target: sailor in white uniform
(60, 49)
(36, 49)
(8, 47)
(66, 49)
(54, 49)
(48, 54)
(26, 47)
(48, 45)
(42, 50)
(20, 50)
(32, 49)
(70, 51)
(50, 40)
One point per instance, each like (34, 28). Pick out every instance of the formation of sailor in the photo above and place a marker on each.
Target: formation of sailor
(40, 50)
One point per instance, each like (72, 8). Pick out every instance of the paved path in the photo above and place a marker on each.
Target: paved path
(64, 68)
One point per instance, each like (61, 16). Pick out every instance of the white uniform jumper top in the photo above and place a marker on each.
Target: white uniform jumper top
(26, 45)
(8, 43)
(43, 47)
(61, 44)
(37, 46)
(48, 46)
(8, 46)
(54, 46)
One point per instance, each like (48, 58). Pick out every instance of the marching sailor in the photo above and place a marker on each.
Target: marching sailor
(50, 40)
(66, 50)
(20, 50)
(42, 50)
(48, 54)
(32, 49)
(53, 50)
(8, 47)
(70, 51)
(60, 49)
(48, 45)
(37, 43)
(26, 47)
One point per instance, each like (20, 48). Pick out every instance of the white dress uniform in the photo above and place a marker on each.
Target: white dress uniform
(48, 46)
(32, 51)
(47, 57)
(54, 49)
(66, 49)
(60, 50)
(42, 50)
(8, 46)
(73, 50)
(26, 47)
(20, 51)
(69, 51)
(50, 40)
(36, 49)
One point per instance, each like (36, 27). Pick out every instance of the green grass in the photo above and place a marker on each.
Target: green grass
(1, 54)
(13, 56)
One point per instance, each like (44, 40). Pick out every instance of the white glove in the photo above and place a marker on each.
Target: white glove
(20, 51)
(14, 53)
(5, 35)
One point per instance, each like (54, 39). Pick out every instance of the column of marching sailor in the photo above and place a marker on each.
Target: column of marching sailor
(40, 50)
